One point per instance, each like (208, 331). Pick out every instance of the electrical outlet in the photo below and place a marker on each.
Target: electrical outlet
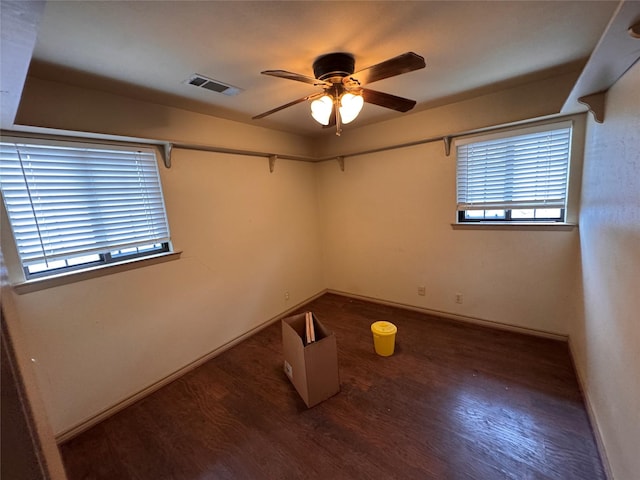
(421, 290)
(459, 298)
(286, 295)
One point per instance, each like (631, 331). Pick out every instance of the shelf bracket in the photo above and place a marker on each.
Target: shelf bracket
(341, 162)
(447, 145)
(166, 154)
(272, 162)
(595, 103)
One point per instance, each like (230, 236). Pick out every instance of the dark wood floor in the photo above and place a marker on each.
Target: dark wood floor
(456, 401)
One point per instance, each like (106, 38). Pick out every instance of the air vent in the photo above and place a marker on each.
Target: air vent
(201, 81)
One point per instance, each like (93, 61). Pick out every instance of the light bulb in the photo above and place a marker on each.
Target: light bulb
(321, 109)
(350, 106)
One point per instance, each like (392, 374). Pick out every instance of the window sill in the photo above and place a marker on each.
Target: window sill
(37, 284)
(542, 226)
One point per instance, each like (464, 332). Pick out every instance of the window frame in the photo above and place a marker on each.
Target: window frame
(509, 219)
(516, 131)
(106, 256)
(105, 259)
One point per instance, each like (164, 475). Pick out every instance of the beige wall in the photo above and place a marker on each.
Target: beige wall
(378, 229)
(386, 220)
(247, 236)
(386, 226)
(606, 340)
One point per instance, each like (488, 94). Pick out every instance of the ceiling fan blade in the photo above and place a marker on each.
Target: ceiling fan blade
(295, 76)
(407, 62)
(287, 105)
(387, 100)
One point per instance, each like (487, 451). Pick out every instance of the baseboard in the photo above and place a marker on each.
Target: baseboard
(104, 414)
(457, 317)
(597, 433)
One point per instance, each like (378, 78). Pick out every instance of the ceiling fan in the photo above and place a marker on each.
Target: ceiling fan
(343, 93)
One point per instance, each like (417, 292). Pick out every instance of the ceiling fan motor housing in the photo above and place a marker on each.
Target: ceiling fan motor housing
(333, 65)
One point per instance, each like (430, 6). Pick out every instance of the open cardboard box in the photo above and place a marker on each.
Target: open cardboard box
(313, 367)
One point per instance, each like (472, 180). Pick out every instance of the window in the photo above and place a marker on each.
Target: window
(518, 176)
(73, 206)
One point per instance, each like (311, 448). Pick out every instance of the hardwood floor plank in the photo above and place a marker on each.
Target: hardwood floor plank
(455, 401)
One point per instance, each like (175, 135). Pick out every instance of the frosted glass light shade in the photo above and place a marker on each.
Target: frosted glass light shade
(350, 106)
(321, 109)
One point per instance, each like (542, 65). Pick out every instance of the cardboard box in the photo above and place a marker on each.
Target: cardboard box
(313, 367)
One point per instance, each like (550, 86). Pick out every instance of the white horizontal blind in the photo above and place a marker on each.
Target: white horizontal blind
(68, 199)
(519, 171)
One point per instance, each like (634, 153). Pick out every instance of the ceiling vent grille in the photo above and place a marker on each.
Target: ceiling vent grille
(201, 81)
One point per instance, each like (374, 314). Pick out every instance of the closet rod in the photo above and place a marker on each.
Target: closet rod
(204, 148)
(233, 151)
(445, 138)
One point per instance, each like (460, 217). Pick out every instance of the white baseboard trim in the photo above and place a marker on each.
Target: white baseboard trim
(597, 433)
(104, 414)
(457, 317)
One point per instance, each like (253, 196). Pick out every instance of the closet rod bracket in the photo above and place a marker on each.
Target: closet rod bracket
(595, 104)
(166, 154)
(447, 145)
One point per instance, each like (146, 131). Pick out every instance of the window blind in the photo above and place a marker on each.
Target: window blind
(73, 199)
(520, 171)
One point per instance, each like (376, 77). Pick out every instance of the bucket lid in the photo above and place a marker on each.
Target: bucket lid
(383, 328)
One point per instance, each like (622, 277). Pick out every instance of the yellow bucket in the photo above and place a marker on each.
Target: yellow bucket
(384, 337)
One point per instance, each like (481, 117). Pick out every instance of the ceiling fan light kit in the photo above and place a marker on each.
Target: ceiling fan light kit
(350, 106)
(344, 95)
(321, 109)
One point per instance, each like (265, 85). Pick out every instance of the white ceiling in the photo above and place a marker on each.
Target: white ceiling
(147, 50)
